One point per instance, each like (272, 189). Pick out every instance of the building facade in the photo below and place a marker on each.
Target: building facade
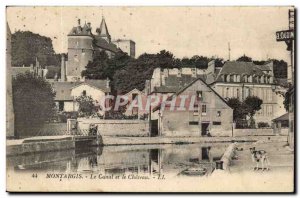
(67, 92)
(243, 79)
(127, 46)
(207, 114)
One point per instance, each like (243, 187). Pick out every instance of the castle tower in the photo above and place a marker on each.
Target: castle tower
(103, 31)
(80, 50)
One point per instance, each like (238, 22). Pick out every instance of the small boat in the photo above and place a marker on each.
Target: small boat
(195, 171)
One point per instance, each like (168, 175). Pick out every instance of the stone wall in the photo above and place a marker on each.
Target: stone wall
(247, 132)
(47, 129)
(116, 127)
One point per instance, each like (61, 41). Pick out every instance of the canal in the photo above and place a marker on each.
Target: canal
(171, 159)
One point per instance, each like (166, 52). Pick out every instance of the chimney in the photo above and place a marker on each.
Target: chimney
(63, 69)
(107, 83)
(78, 22)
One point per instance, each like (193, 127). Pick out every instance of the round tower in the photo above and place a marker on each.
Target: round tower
(80, 50)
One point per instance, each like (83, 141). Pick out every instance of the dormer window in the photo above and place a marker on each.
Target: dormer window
(238, 78)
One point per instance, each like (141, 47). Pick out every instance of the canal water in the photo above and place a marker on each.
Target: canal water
(171, 159)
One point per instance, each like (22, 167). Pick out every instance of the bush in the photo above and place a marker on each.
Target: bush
(263, 125)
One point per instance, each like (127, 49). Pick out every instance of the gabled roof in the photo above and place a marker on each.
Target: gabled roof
(63, 90)
(98, 84)
(134, 90)
(174, 83)
(184, 88)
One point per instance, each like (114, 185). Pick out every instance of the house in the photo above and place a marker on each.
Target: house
(204, 113)
(242, 79)
(67, 92)
(136, 103)
(281, 124)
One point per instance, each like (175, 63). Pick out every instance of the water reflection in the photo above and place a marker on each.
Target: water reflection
(192, 159)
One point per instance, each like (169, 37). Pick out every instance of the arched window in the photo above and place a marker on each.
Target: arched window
(238, 78)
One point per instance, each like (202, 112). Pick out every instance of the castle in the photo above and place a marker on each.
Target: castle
(83, 45)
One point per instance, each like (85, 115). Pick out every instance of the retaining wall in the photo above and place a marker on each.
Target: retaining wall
(131, 128)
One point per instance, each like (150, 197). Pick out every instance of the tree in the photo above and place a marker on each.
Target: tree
(33, 100)
(239, 112)
(26, 46)
(252, 104)
(86, 106)
(244, 58)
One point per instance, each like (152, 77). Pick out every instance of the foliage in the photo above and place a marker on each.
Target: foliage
(263, 125)
(26, 46)
(86, 106)
(244, 58)
(239, 111)
(253, 104)
(33, 101)
(246, 108)
(287, 96)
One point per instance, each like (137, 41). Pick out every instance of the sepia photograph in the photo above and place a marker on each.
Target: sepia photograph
(150, 99)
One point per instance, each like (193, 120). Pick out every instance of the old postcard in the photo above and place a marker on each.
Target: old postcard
(150, 99)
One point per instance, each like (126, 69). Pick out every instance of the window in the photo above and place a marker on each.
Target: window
(196, 109)
(193, 123)
(203, 109)
(238, 93)
(84, 92)
(227, 92)
(216, 123)
(134, 96)
(199, 95)
(270, 110)
(218, 113)
(61, 105)
(269, 93)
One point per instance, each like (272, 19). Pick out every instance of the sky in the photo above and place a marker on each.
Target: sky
(184, 31)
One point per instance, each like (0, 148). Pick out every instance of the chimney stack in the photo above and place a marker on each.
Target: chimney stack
(63, 69)
(78, 22)
(107, 82)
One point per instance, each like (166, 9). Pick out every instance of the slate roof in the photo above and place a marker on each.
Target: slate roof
(102, 43)
(63, 89)
(283, 117)
(80, 31)
(174, 83)
(235, 67)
